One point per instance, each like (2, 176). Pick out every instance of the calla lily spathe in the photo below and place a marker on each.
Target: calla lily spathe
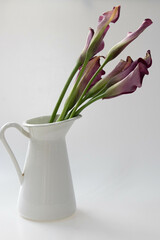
(128, 80)
(95, 42)
(104, 20)
(118, 73)
(84, 52)
(104, 81)
(92, 66)
(119, 47)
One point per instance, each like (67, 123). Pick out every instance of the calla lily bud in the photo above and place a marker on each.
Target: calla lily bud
(119, 47)
(128, 80)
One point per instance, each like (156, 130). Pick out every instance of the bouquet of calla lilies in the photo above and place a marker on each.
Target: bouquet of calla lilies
(91, 83)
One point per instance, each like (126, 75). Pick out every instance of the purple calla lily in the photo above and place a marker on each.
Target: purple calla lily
(89, 38)
(102, 28)
(92, 66)
(128, 80)
(147, 61)
(110, 16)
(119, 47)
(95, 43)
(122, 65)
(118, 73)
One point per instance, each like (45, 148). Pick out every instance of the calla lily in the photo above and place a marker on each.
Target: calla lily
(95, 42)
(119, 47)
(128, 80)
(92, 66)
(122, 65)
(119, 72)
(89, 38)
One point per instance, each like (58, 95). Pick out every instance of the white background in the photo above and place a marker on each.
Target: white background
(113, 149)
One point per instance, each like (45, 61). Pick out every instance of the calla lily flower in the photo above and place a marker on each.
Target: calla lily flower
(118, 73)
(103, 26)
(119, 47)
(95, 43)
(122, 65)
(129, 79)
(92, 66)
(89, 38)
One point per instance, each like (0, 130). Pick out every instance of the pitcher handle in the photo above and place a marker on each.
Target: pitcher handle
(9, 150)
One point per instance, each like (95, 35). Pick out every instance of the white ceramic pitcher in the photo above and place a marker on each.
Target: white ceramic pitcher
(46, 191)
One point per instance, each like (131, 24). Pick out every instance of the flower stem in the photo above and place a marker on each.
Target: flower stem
(92, 100)
(63, 92)
(66, 106)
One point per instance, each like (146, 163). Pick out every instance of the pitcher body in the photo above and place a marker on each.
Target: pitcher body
(46, 191)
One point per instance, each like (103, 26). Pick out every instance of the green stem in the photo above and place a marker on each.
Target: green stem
(68, 115)
(88, 103)
(63, 92)
(66, 106)
(80, 100)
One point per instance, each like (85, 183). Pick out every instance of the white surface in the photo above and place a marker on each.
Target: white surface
(113, 149)
(46, 191)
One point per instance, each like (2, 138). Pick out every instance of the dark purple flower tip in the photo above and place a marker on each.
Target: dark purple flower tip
(148, 22)
(148, 59)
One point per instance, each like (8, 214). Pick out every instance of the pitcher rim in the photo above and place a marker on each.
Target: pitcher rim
(27, 124)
